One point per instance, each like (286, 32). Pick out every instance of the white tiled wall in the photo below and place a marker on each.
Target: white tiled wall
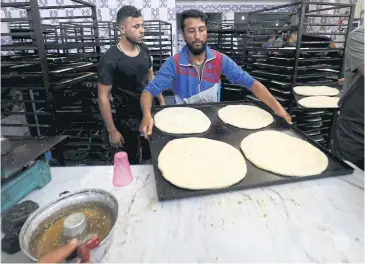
(106, 10)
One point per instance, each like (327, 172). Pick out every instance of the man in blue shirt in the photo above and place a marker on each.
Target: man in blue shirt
(194, 73)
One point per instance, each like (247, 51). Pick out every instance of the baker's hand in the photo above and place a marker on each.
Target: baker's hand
(284, 114)
(60, 254)
(341, 81)
(116, 139)
(146, 126)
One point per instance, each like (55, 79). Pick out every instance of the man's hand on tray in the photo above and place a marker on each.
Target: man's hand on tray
(146, 126)
(284, 114)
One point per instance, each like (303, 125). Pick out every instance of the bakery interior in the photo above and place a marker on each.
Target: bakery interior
(62, 179)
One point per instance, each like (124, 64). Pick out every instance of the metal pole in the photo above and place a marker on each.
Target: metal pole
(299, 41)
(172, 44)
(39, 39)
(349, 29)
(160, 41)
(96, 29)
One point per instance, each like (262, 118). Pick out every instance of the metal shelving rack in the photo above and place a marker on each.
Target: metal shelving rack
(40, 64)
(323, 63)
(271, 62)
(158, 38)
(309, 61)
(228, 38)
(54, 69)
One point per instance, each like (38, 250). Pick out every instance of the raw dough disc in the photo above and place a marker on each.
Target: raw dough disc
(283, 154)
(316, 90)
(182, 120)
(319, 102)
(200, 163)
(245, 116)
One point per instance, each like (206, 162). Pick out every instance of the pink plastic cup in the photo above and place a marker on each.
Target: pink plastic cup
(122, 175)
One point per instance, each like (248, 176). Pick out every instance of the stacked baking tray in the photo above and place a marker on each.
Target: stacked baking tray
(79, 118)
(316, 123)
(273, 67)
(323, 66)
(233, 136)
(41, 59)
(158, 38)
(320, 61)
(227, 38)
(324, 28)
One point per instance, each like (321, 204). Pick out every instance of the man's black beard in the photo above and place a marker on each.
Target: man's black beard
(195, 51)
(132, 40)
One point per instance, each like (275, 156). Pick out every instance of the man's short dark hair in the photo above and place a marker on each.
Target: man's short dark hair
(192, 13)
(127, 11)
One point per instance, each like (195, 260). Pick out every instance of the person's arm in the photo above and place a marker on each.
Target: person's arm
(162, 82)
(115, 138)
(236, 75)
(105, 81)
(151, 76)
(355, 50)
(260, 91)
(105, 107)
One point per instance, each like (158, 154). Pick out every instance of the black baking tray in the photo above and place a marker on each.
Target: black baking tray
(326, 83)
(255, 177)
(298, 97)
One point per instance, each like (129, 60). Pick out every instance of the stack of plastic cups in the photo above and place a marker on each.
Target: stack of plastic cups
(122, 175)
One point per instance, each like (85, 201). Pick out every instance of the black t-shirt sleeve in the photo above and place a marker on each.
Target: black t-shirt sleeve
(145, 48)
(106, 70)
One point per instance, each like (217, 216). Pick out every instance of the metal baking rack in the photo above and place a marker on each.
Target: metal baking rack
(38, 62)
(321, 24)
(308, 60)
(307, 119)
(55, 62)
(274, 65)
(230, 39)
(158, 38)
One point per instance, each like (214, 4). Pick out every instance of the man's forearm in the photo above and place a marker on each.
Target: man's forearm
(161, 99)
(146, 103)
(106, 112)
(260, 91)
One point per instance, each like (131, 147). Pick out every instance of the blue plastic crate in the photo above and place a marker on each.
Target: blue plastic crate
(35, 177)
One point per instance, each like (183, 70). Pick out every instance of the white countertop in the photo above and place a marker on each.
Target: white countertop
(312, 221)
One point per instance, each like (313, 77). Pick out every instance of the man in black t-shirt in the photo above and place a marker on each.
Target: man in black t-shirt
(124, 70)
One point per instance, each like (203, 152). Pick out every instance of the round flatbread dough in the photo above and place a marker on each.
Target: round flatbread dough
(245, 116)
(316, 91)
(319, 102)
(283, 154)
(182, 120)
(200, 163)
